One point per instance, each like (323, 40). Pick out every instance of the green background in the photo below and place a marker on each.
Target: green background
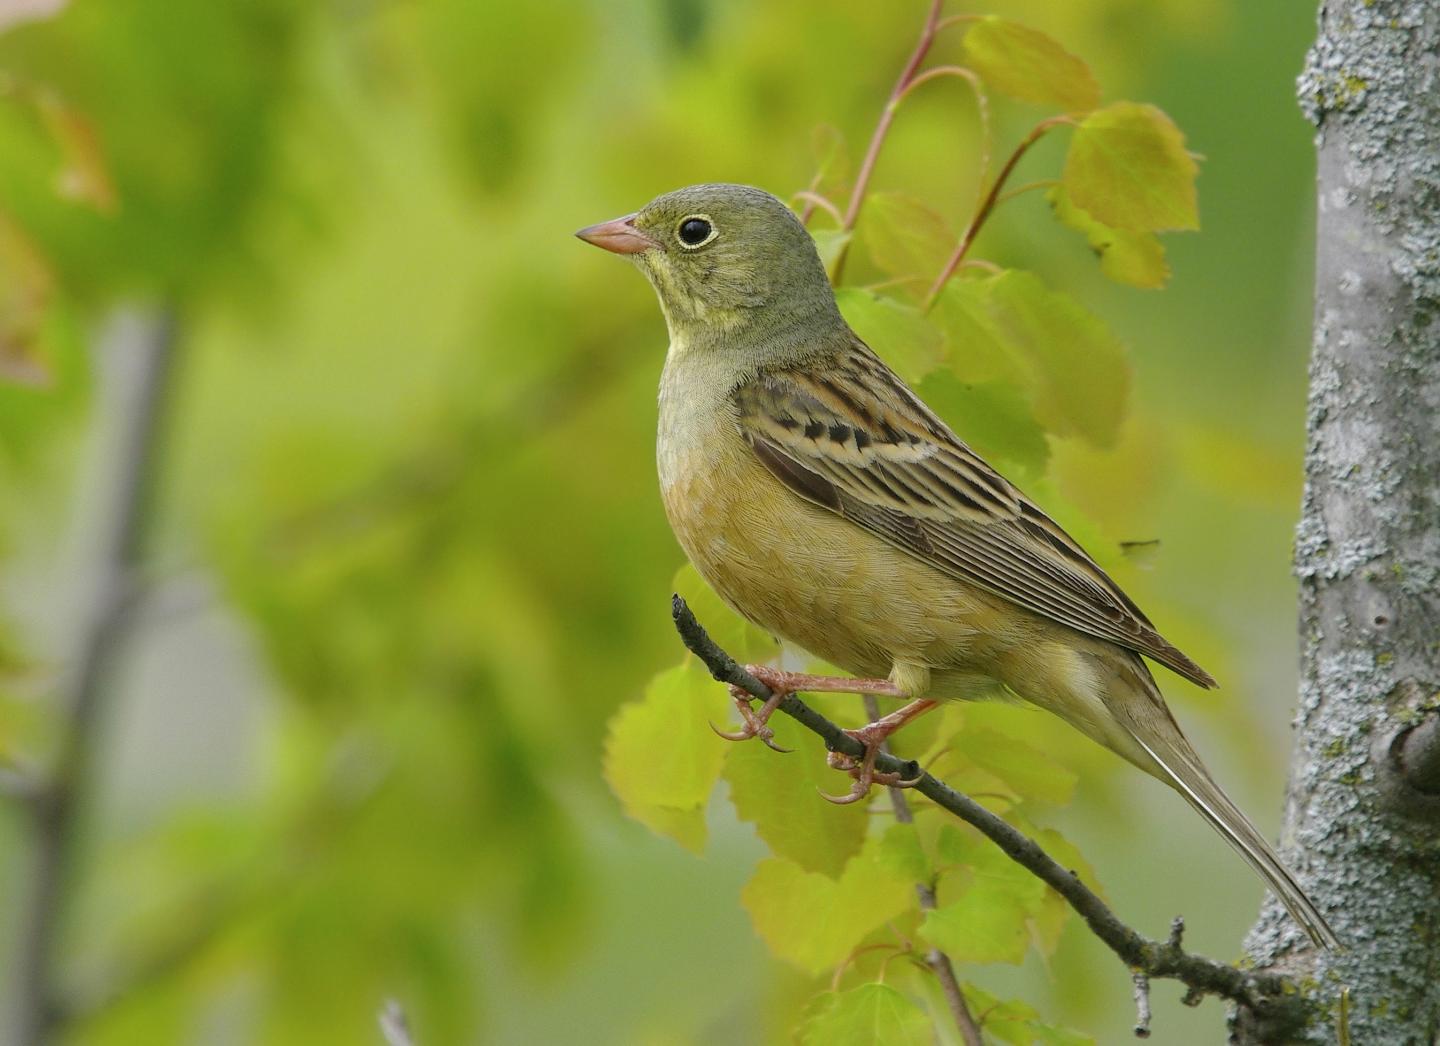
(409, 554)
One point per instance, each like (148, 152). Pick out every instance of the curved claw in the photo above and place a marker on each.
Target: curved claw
(743, 734)
(854, 796)
(766, 739)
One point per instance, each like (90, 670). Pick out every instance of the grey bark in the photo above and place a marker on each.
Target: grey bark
(1362, 822)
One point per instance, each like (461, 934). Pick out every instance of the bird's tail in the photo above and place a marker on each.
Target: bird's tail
(1149, 722)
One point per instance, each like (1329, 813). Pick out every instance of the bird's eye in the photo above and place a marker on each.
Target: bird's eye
(695, 231)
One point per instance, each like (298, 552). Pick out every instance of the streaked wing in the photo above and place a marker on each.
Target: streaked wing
(852, 438)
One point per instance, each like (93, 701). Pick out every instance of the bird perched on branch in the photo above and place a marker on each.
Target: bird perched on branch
(828, 505)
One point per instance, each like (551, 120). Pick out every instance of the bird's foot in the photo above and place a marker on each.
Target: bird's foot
(757, 724)
(873, 736)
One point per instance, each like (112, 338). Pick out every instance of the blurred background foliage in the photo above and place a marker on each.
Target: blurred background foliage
(408, 555)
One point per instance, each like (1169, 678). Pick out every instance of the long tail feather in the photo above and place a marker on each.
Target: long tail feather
(1186, 774)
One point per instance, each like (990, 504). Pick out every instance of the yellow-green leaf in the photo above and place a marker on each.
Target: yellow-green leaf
(1135, 258)
(1064, 358)
(779, 794)
(737, 637)
(987, 902)
(1029, 771)
(904, 237)
(814, 921)
(898, 333)
(1027, 64)
(1054, 910)
(870, 1015)
(992, 417)
(1127, 167)
(829, 243)
(661, 757)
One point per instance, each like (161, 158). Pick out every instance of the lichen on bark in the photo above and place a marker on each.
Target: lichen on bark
(1359, 826)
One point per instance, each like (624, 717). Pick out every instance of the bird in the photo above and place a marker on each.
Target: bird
(827, 504)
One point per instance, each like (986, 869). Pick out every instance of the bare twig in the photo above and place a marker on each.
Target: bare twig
(1142, 1004)
(882, 128)
(936, 959)
(58, 801)
(1268, 995)
(394, 1025)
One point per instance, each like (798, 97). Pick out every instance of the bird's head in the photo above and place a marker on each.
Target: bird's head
(722, 258)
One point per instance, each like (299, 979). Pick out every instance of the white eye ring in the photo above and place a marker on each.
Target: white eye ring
(714, 232)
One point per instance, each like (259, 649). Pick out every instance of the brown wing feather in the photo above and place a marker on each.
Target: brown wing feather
(853, 439)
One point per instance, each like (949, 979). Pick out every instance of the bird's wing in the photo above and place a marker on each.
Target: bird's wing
(849, 436)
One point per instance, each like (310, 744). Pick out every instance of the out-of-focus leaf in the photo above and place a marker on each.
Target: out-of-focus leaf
(25, 290)
(737, 637)
(84, 176)
(1054, 910)
(779, 795)
(989, 919)
(828, 244)
(1071, 365)
(1027, 64)
(1032, 773)
(898, 333)
(661, 757)
(1127, 167)
(832, 160)
(1017, 1022)
(1135, 258)
(814, 921)
(901, 851)
(992, 417)
(870, 1015)
(903, 236)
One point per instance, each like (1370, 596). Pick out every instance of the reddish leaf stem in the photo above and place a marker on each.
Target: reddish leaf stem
(987, 206)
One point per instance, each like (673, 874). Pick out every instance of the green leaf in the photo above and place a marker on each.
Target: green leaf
(992, 417)
(1032, 773)
(662, 759)
(740, 639)
(1066, 359)
(989, 920)
(814, 921)
(901, 852)
(828, 244)
(904, 237)
(1026, 64)
(1017, 1022)
(898, 333)
(779, 795)
(1135, 258)
(1054, 910)
(870, 1015)
(1127, 167)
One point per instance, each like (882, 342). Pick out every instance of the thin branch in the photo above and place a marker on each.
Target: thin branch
(988, 205)
(1142, 1004)
(982, 111)
(882, 128)
(1270, 996)
(394, 1025)
(937, 960)
(60, 798)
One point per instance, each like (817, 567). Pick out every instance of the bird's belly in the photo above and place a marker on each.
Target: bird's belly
(818, 580)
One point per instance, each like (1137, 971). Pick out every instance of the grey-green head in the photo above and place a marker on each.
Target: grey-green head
(723, 258)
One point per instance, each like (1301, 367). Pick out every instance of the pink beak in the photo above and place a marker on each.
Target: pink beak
(618, 236)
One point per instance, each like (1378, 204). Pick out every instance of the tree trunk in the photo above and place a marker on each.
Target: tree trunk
(1362, 822)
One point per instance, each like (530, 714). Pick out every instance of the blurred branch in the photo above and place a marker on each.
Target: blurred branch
(1269, 996)
(58, 800)
(394, 1025)
(936, 959)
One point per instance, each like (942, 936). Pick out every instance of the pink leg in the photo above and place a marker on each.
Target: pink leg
(782, 684)
(873, 736)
